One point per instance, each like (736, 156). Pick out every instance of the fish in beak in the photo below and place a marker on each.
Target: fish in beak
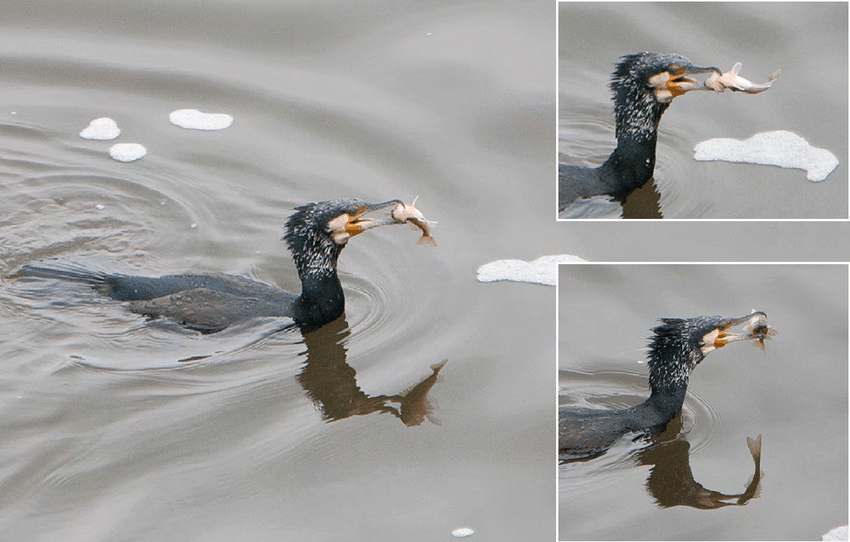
(679, 79)
(752, 327)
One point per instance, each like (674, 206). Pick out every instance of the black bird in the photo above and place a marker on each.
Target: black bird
(677, 346)
(642, 86)
(315, 234)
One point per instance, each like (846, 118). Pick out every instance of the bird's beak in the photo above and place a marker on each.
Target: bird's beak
(679, 80)
(353, 223)
(752, 327)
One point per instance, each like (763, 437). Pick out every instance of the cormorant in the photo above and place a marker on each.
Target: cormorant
(677, 346)
(642, 86)
(316, 233)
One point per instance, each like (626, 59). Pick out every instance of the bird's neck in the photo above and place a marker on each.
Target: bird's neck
(633, 161)
(637, 113)
(632, 164)
(663, 404)
(670, 362)
(321, 300)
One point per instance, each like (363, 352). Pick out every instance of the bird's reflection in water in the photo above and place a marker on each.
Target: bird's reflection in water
(644, 202)
(332, 384)
(671, 482)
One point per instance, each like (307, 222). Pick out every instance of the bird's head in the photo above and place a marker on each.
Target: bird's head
(679, 344)
(644, 84)
(665, 75)
(317, 232)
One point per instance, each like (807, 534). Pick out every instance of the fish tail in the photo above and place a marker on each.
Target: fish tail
(754, 445)
(437, 366)
(426, 240)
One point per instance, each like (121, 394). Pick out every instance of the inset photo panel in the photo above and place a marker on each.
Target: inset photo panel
(684, 388)
(710, 110)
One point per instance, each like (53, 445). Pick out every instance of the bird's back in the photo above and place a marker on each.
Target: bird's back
(590, 430)
(204, 302)
(575, 182)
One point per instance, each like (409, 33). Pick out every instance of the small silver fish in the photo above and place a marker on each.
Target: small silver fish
(758, 329)
(731, 80)
(404, 212)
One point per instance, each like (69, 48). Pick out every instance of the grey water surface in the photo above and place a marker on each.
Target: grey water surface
(116, 428)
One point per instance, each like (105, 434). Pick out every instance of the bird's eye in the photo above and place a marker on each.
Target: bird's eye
(352, 212)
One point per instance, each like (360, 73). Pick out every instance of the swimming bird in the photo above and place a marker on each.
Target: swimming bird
(315, 234)
(643, 85)
(677, 346)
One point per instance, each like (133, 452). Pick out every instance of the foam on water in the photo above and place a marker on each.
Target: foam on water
(127, 152)
(463, 532)
(101, 129)
(543, 270)
(839, 533)
(780, 148)
(192, 119)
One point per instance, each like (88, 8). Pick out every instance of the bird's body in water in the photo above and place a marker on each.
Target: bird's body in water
(642, 86)
(315, 234)
(677, 346)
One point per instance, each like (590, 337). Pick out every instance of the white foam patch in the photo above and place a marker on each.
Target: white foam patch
(127, 152)
(839, 533)
(101, 129)
(543, 270)
(780, 148)
(192, 119)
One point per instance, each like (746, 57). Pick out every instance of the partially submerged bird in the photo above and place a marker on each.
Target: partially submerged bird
(676, 348)
(643, 85)
(315, 234)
